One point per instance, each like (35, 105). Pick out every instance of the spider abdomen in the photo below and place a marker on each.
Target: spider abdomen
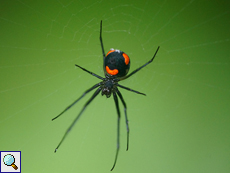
(117, 63)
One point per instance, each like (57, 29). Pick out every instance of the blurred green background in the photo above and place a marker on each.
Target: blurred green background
(183, 123)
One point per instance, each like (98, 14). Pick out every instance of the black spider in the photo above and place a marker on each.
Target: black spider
(116, 65)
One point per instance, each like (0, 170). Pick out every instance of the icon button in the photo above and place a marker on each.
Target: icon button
(9, 160)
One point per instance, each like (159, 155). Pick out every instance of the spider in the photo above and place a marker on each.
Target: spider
(116, 65)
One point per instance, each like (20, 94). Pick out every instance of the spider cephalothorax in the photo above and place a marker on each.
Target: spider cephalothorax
(108, 86)
(116, 67)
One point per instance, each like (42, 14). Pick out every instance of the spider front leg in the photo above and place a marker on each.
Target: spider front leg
(118, 128)
(76, 119)
(87, 91)
(126, 117)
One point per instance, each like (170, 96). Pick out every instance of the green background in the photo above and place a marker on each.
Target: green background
(183, 123)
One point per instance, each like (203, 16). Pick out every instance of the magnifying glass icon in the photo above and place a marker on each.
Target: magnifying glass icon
(9, 160)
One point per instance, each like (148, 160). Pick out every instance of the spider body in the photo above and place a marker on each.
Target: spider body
(116, 66)
(108, 86)
(117, 63)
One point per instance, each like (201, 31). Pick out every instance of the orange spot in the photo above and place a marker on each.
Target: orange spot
(110, 52)
(112, 72)
(126, 58)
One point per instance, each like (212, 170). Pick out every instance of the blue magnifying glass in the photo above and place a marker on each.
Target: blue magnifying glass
(9, 160)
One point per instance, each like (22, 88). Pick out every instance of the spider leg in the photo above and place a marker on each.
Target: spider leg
(90, 72)
(130, 89)
(95, 86)
(76, 119)
(118, 128)
(141, 66)
(102, 47)
(126, 117)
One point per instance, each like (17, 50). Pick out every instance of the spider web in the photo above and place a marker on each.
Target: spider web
(182, 125)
